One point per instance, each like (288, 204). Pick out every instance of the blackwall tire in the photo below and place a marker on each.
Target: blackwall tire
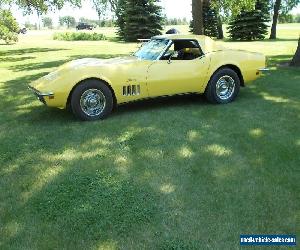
(223, 87)
(92, 100)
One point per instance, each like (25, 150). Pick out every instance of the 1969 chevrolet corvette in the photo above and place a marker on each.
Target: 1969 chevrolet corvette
(166, 65)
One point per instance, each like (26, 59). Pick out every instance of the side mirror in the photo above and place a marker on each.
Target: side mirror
(173, 55)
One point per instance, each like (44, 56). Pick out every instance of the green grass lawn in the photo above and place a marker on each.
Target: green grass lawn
(174, 173)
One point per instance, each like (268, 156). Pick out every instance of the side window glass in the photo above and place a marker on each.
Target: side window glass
(189, 53)
(169, 53)
(183, 50)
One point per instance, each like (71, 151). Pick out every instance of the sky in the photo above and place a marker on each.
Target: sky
(172, 8)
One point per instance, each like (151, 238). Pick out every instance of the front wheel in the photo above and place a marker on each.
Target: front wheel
(92, 100)
(223, 87)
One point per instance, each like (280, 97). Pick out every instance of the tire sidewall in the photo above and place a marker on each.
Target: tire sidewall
(80, 89)
(215, 78)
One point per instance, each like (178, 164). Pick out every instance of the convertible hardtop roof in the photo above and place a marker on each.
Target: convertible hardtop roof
(207, 44)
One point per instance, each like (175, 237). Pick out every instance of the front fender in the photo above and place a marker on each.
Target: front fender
(62, 82)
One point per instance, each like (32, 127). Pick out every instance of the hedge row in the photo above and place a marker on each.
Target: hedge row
(78, 36)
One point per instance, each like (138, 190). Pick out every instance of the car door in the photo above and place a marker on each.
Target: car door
(173, 77)
(130, 79)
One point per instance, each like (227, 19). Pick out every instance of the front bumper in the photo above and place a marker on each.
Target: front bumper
(41, 96)
(262, 70)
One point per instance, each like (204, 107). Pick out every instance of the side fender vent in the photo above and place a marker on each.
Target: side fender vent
(131, 90)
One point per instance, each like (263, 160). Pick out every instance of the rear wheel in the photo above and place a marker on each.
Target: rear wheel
(91, 100)
(223, 87)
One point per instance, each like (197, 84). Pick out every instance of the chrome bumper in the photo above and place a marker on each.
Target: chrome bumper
(264, 70)
(39, 95)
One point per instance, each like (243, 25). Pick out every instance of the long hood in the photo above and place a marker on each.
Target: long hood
(95, 62)
(74, 71)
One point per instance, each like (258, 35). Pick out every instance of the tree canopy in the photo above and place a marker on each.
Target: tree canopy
(101, 7)
(139, 19)
(47, 22)
(233, 7)
(8, 27)
(69, 21)
(251, 25)
(40, 6)
(280, 6)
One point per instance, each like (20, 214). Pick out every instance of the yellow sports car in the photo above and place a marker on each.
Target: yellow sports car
(166, 65)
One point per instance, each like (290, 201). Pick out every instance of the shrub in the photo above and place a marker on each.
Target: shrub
(78, 36)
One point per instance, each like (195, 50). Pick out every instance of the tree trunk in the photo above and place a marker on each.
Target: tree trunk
(99, 18)
(296, 58)
(275, 19)
(39, 20)
(220, 28)
(197, 10)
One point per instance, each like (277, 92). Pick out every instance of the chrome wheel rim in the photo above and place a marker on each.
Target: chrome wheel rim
(225, 87)
(92, 102)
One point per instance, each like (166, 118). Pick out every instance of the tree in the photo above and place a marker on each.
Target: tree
(139, 19)
(250, 25)
(175, 21)
(39, 13)
(286, 18)
(297, 18)
(275, 19)
(197, 22)
(113, 5)
(30, 26)
(210, 20)
(229, 8)
(284, 6)
(296, 59)
(41, 6)
(69, 21)
(47, 22)
(8, 27)
(220, 27)
(226, 7)
(101, 8)
(120, 22)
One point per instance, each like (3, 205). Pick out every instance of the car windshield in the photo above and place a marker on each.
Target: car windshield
(152, 49)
